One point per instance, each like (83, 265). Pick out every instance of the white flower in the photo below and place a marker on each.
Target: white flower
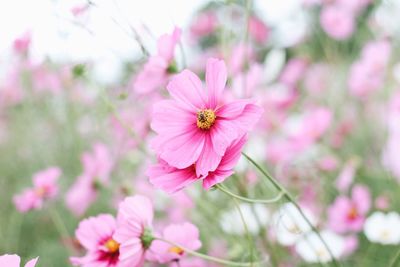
(383, 228)
(255, 215)
(289, 225)
(311, 248)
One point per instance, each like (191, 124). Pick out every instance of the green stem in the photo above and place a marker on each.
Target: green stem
(246, 228)
(59, 224)
(245, 199)
(291, 199)
(395, 260)
(210, 258)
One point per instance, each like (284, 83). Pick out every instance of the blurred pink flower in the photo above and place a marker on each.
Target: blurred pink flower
(293, 71)
(240, 55)
(367, 74)
(155, 72)
(44, 188)
(346, 176)
(204, 24)
(14, 261)
(196, 128)
(22, 43)
(171, 179)
(337, 22)
(97, 167)
(348, 214)
(258, 30)
(95, 235)
(134, 220)
(185, 234)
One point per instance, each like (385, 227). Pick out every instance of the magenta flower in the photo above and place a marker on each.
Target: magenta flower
(171, 179)
(135, 216)
(348, 214)
(258, 30)
(195, 127)
(14, 261)
(44, 188)
(155, 72)
(185, 234)
(95, 235)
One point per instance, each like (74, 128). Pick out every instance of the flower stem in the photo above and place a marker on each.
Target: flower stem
(246, 228)
(210, 258)
(250, 200)
(289, 198)
(395, 260)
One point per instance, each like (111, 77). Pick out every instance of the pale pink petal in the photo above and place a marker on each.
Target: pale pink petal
(171, 180)
(166, 44)
(216, 76)
(10, 260)
(32, 262)
(362, 198)
(208, 160)
(216, 177)
(187, 89)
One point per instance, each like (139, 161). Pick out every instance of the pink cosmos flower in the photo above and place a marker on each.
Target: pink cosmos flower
(95, 234)
(367, 74)
(348, 214)
(204, 24)
(22, 43)
(155, 72)
(44, 188)
(195, 127)
(97, 167)
(135, 216)
(171, 179)
(337, 22)
(185, 234)
(14, 261)
(258, 30)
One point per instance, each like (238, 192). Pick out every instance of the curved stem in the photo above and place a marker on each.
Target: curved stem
(209, 258)
(246, 228)
(250, 200)
(395, 260)
(291, 199)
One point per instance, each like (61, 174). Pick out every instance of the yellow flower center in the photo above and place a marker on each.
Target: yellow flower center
(40, 192)
(176, 250)
(205, 119)
(112, 245)
(353, 213)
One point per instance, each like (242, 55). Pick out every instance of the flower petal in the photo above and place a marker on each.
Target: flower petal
(216, 76)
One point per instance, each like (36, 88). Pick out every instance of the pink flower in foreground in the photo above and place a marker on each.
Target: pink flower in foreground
(171, 179)
(135, 216)
(337, 22)
(155, 72)
(44, 188)
(195, 127)
(348, 214)
(14, 261)
(95, 235)
(97, 167)
(185, 235)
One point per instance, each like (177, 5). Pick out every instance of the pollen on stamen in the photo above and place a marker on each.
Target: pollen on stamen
(205, 119)
(112, 245)
(176, 250)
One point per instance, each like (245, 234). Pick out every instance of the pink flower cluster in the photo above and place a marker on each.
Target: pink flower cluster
(199, 135)
(129, 240)
(44, 188)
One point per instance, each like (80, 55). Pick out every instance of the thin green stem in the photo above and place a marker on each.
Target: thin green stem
(288, 196)
(210, 258)
(250, 200)
(395, 260)
(59, 224)
(246, 228)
